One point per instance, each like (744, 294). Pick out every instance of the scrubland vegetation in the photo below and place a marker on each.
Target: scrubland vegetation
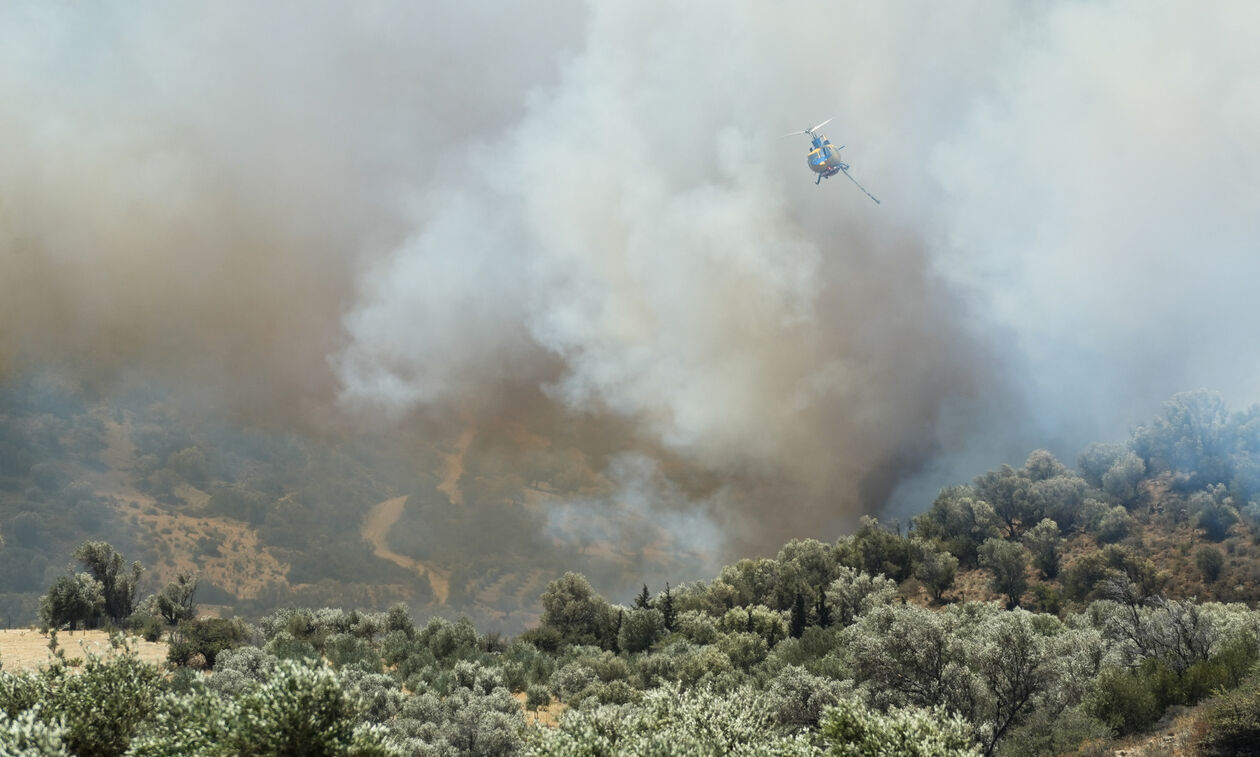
(1037, 610)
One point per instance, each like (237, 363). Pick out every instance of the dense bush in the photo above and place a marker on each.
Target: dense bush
(205, 639)
(1044, 543)
(854, 731)
(1210, 562)
(297, 710)
(670, 721)
(29, 736)
(960, 521)
(95, 712)
(1233, 724)
(971, 678)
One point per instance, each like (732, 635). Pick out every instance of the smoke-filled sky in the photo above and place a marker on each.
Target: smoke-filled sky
(402, 210)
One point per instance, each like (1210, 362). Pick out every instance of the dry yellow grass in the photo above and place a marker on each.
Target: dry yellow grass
(25, 649)
(243, 564)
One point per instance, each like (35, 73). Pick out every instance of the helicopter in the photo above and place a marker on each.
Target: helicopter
(824, 158)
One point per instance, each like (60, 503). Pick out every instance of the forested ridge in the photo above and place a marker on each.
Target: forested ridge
(1039, 609)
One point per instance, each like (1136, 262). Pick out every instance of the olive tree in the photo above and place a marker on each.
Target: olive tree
(581, 616)
(119, 583)
(1044, 542)
(1008, 493)
(1008, 562)
(960, 521)
(1096, 460)
(907, 656)
(72, 600)
(798, 698)
(854, 593)
(1121, 480)
(936, 569)
(175, 602)
(640, 629)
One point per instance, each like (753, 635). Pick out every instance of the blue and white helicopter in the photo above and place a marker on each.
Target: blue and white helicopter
(824, 157)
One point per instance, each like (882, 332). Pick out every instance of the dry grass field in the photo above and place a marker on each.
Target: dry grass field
(26, 649)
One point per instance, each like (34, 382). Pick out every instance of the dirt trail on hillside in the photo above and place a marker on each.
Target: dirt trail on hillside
(454, 467)
(380, 519)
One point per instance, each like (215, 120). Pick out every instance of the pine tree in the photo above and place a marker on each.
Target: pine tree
(667, 609)
(798, 617)
(644, 600)
(824, 610)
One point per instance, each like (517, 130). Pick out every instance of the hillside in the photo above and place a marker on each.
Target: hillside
(428, 514)
(268, 518)
(1108, 607)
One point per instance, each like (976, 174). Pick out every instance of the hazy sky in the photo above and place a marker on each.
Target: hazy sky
(381, 209)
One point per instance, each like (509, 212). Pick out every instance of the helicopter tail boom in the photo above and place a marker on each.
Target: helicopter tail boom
(859, 186)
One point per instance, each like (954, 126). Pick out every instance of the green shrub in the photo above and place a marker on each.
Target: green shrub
(1216, 519)
(104, 705)
(669, 721)
(544, 638)
(537, 696)
(1233, 724)
(1049, 598)
(298, 710)
(94, 713)
(854, 731)
(346, 650)
(1050, 732)
(1210, 562)
(301, 710)
(148, 626)
(1114, 525)
(28, 736)
(285, 646)
(640, 629)
(797, 699)
(1124, 702)
(206, 637)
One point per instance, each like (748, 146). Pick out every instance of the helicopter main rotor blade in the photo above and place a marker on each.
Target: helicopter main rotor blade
(819, 126)
(859, 186)
(793, 134)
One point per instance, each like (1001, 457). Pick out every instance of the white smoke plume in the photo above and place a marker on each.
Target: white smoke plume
(398, 208)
